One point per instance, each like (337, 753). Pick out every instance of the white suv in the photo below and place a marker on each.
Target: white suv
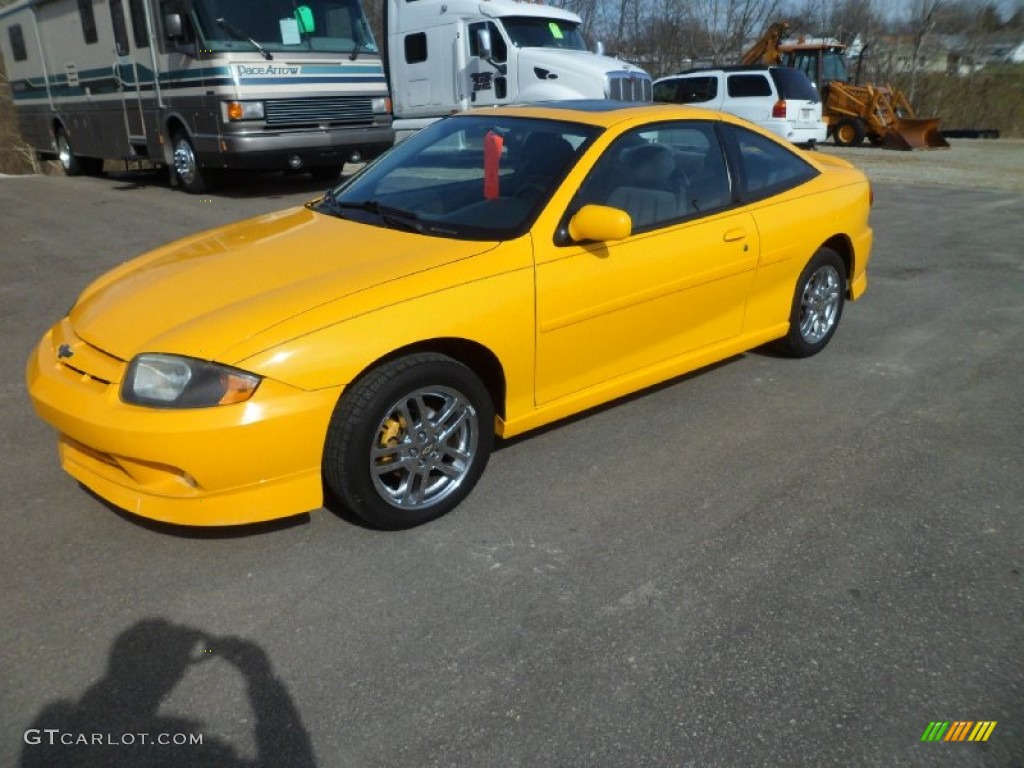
(781, 99)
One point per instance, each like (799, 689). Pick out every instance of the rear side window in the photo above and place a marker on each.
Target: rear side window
(747, 86)
(88, 21)
(766, 168)
(17, 42)
(666, 91)
(694, 90)
(120, 30)
(793, 84)
(139, 31)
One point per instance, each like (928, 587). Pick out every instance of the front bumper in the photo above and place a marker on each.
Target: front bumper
(226, 465)
(272, 150)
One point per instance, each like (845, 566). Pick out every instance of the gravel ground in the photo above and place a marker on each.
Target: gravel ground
(977, 163)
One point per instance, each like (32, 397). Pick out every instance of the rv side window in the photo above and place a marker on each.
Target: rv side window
(120, 29)
(416, 48)
(139, 32)
(88, 21)
(17, 42)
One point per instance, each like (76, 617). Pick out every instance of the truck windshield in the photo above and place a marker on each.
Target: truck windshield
(332, 26)
(534, 32)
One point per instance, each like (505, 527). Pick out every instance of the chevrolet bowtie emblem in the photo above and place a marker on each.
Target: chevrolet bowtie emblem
(64, 350)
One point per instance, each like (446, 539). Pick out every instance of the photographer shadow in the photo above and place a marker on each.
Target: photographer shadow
(148, 660)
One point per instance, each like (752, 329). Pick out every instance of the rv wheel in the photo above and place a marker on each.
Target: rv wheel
(72, 164)
(186, 166)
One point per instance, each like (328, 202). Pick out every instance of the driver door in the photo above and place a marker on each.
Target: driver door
(678, 283)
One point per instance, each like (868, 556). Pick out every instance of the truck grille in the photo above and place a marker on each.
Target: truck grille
(330, 109)
(628, 86)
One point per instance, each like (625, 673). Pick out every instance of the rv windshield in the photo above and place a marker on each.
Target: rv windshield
(332, 26)
(534, 32)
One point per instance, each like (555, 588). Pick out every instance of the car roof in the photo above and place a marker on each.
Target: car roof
(731, 68)
(599, 112)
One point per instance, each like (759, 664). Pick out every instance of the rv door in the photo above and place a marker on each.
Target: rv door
(126, 69)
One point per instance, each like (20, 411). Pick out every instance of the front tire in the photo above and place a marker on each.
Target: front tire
(817, 305)
(75, 165)
(186, 166)
(409, 440)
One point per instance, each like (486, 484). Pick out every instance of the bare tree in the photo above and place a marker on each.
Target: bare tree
(922, 22)
(728, 24)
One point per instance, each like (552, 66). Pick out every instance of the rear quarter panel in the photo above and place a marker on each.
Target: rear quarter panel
(793, 226)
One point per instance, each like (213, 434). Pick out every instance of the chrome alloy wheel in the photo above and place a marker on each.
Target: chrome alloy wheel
(63, 150)
(819, 304)
(425, 445)
(184, 161)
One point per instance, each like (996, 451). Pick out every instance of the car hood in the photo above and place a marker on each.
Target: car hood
(202, 295)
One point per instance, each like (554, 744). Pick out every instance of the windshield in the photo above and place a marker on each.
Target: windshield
(466, 177)
(533, 32)
(334, 26)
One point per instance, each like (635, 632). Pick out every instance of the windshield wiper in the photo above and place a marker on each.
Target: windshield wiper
(231, 28)
(394, 217)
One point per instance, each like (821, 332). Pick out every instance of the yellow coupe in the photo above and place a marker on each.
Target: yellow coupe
(499, 270)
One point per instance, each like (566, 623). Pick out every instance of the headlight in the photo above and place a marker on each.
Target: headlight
(381, 105)
(243, 110)
(172, 381)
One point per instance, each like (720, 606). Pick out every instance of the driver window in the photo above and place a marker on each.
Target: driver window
(660, 175)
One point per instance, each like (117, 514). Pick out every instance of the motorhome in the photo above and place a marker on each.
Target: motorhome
(197, 85)
(445, 56)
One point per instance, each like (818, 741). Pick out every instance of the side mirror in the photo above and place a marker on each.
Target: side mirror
(173, 26)
(483, 41)
(600, 223)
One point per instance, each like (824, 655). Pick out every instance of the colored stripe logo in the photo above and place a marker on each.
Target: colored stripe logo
(958, 730)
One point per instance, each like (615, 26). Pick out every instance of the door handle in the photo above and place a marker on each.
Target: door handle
(733, 235)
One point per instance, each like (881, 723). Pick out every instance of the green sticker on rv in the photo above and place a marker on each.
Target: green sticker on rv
(304, 16)
(556, 31)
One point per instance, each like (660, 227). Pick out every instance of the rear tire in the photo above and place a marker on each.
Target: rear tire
(849, 132)
(408, 441)
(186, 166)
(75, 165)
(817, 305)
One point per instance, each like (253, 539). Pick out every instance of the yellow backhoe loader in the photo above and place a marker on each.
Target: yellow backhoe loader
(854, 112)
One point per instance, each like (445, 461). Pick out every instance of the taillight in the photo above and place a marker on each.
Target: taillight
(779, 110)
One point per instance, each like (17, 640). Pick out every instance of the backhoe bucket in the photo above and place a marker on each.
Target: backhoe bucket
(914, 133)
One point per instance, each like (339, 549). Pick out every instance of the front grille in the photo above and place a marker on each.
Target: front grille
(629, 86)
(313, 111)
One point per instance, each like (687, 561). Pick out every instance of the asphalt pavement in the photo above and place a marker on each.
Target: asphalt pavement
(767, 563)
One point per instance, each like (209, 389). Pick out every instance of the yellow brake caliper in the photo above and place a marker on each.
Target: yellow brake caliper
(390, 435)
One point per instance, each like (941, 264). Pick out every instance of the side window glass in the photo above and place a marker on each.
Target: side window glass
(660, 175)
(138, 14)
(17, 38)
(694, 90)
(416, 48)
(746, 86)
(88, 20)
(666, 91)
(120, 29)
(766, 167)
